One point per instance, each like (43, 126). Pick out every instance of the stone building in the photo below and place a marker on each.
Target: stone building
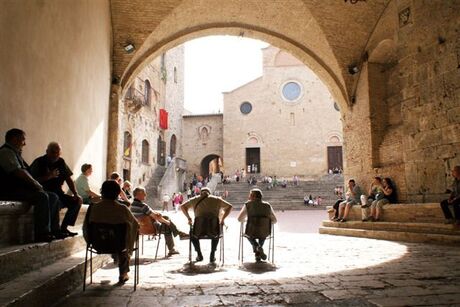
(283, 123)
(145, 142)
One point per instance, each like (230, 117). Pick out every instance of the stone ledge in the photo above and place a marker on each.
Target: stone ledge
(403, 213)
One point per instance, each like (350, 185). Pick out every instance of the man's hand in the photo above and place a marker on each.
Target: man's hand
(78, 198)
(53, 174)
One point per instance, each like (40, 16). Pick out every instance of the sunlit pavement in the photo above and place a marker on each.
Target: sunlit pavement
(310, 270)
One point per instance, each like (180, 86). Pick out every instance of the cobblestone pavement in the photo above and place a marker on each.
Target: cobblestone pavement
(310, 270)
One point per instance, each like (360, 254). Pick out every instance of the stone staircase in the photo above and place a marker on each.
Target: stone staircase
(39, 274)
(152, 185)
(289, 198)
(422, 223)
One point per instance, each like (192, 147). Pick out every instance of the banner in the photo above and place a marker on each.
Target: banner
(163, 119)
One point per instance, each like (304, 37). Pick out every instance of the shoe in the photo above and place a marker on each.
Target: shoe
(261, 253)
(44, 238)
(212, 258)
(184, 236)
(376, 220)
(364, 220)
(258, 259)
(342, 220)
(69, 233)
(123, 279)
(173, 252)
(199, 258)
(60, 235)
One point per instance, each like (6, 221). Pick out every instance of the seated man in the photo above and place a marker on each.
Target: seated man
(255, 207)
(109, 211)
(16, 183)
(206, 205)
(82, 185)
(454, 199)
(139, 209)
(51, 171)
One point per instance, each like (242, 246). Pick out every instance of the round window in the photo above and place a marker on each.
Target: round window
(291, 91)
(246, 108)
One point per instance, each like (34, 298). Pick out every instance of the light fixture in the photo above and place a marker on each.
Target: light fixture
(353, 69)
(355, 1)
(129, 47)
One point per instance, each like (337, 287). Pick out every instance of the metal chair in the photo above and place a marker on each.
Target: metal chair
(258, 227)
(108, 239)
(207, 227)
(148, 228)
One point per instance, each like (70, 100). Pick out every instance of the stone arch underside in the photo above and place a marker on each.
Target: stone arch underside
(204, 165)
(288, 26)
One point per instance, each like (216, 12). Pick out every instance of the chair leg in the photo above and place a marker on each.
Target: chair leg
(90, 266)
(158, 245)
(240, 245)
(142, 245)
(136, 264)
(86, 266)
(190, 245)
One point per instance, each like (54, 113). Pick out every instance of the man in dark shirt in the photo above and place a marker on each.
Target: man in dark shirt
(169, 229)
(16, 183)
(51, 171)
(454, 199)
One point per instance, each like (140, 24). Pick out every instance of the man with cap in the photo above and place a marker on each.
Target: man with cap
(203, 205)
(255, 207)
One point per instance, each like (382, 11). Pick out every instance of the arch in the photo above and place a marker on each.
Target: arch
(384, 52)
(308, 42)
(145, 151)
(161, 151)
(253, 140)
(206, 167)
(172, 146)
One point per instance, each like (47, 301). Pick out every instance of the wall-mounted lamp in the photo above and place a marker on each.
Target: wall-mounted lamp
(129, 47)
(355, 1)
(353, 69)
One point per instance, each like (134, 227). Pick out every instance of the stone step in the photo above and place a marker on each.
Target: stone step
(45, 286)
(21, 259)
(403, 236)
(434, 228)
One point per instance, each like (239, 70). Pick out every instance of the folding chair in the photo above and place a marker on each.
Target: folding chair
(108, 239)
(207, 227)
(258, 227)
(147, 228)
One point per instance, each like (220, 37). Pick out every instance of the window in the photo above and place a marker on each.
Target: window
(127, 140)
(145, 151)
(291, 91)
(147, 91)
(246, 107)
(175, 75)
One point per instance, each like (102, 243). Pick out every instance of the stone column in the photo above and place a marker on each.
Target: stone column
(113, 129)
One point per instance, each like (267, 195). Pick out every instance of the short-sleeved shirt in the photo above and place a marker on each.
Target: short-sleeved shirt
(456, 188)
(82, 186)
(357, 192)
(211, 205)
(10, 161)
(257, 208)
(139, 208)
(41, 166)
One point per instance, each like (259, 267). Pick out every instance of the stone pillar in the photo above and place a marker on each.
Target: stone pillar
(113, 129)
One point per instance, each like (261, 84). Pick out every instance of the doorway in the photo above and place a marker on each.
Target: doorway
(334, 158)
(253, 160)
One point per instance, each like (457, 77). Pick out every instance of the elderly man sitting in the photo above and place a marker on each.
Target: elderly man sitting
(140, 209)
(110, 211)
(255, 207)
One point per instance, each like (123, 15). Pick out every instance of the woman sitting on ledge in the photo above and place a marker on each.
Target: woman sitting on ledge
(389, 197)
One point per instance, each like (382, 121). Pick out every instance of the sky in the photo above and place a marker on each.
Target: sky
(216, 64)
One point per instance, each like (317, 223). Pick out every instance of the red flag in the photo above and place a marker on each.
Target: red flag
(163, 119)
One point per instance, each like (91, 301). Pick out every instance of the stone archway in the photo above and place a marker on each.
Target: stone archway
(210, 163)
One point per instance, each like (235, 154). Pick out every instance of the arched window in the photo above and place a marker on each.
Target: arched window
(145, 151)
(127, 142)
(147, 92)
(175, 75)
(172, 146)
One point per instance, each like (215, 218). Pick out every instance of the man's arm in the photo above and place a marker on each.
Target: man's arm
(227, 211)
(26, 177)
(184, 209)
(242, 215)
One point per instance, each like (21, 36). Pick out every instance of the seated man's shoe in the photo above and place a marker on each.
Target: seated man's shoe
(184, 236)
(258, 259)
(60, 235)
(44, 238)
(68, 232)
(199, 258)
(123, 279)
(212, 257)
(364, 220)
(173, 252)
(261, 253)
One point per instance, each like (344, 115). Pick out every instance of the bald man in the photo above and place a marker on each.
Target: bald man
(51, 171)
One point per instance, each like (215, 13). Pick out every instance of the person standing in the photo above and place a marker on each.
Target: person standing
(16, 183)
(51, 171)
(206, 205)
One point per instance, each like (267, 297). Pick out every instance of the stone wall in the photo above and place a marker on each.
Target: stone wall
(411, 83)
(201, 137)
(55, 60)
